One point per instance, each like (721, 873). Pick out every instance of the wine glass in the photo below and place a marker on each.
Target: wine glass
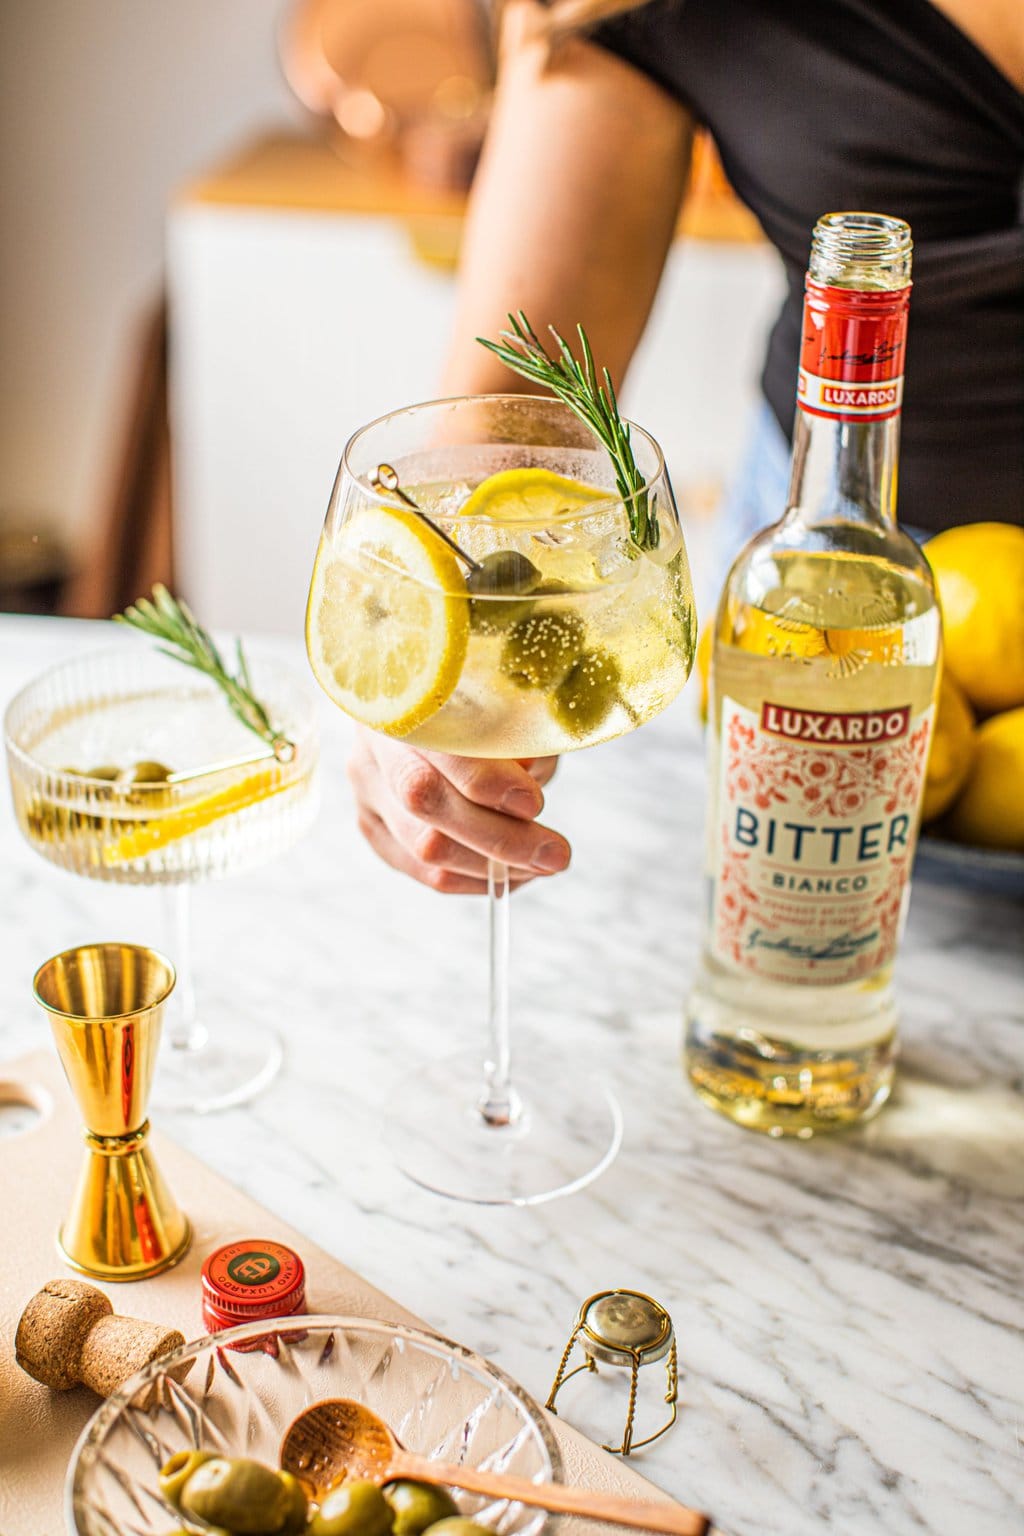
(478, 590)
(125, 766)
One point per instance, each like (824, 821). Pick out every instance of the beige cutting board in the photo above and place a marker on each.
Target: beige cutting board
(39, 1428)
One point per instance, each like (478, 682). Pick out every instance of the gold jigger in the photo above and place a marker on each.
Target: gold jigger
(106, 1003)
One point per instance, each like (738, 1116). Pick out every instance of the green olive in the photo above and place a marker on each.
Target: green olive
(174, 1474)
(458, 1525)
(298, 1506)
(587, 693)
(540, 649)
(244, 1496)
(417, 1505)
(499, 580)
(146, 784)
(503, 573)
(354, 1509)
(146, 773)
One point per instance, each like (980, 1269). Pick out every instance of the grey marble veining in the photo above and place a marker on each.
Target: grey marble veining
(849, 1311)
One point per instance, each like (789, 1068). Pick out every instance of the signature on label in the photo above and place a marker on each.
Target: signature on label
(841, 946)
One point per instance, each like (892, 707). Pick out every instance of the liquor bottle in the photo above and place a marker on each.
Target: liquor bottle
(824, 669)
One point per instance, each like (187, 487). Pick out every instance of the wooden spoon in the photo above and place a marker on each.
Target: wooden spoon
(338, 1439)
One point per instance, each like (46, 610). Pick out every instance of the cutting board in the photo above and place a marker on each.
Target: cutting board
(38, 1168)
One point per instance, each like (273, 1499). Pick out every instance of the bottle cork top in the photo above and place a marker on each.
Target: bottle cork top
(69, 1334)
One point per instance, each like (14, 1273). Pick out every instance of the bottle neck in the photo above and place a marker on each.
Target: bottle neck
(850, 389)
(844, 471)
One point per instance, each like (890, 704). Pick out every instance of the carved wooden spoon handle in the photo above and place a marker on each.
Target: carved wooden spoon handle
(675, 1520)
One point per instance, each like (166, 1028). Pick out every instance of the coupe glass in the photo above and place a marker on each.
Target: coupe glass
(242, 1389)
(595, 639)
(230, 806)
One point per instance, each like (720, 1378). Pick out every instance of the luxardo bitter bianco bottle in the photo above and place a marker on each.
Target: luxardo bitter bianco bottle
(824, 670)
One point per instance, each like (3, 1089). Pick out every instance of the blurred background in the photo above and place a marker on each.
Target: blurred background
(230, 238)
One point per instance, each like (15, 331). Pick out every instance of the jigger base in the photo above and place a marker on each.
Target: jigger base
(120, 1272)
(124, 1223)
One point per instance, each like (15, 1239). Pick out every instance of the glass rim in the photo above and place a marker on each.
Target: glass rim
(591, 509)
(168, 985)
(306, 733)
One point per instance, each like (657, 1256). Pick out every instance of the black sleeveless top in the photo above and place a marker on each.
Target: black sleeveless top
(822, 105)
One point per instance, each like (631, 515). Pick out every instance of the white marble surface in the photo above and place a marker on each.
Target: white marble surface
(849, 1311)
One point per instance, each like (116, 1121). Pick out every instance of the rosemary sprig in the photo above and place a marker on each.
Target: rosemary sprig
(186, 641)
(575, 382)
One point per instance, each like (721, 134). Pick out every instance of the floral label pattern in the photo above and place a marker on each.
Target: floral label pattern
(814, 845)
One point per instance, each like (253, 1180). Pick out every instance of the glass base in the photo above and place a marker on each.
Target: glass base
(566, 1132)
(223, 1067)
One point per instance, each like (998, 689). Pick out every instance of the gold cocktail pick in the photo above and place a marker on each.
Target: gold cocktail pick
(386, 480)
(105, 1003)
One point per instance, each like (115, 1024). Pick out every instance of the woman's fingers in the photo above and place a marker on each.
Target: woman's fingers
(434, 816)
(438, 877)
(495, 783)
(425, 798)
(540, 768)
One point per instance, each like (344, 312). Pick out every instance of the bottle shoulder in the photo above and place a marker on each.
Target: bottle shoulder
(832, 569)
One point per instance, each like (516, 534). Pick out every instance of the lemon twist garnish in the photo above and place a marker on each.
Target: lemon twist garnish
(158, 831)
(529, 496)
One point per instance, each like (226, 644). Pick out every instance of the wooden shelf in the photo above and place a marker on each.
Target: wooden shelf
(301, 173)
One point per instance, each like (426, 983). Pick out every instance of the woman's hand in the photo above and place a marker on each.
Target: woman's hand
(440, 818)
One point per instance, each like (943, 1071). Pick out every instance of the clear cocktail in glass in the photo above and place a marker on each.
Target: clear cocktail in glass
(127, 767)
(477, 591)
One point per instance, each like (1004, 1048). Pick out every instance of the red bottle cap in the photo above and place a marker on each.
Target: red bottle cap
(251, 1280)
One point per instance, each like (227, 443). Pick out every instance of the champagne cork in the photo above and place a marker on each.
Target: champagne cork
(69, 1333)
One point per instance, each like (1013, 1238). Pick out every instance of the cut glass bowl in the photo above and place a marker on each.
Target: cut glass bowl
(440, 1399)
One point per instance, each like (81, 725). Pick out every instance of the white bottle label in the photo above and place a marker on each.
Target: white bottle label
(817, 821)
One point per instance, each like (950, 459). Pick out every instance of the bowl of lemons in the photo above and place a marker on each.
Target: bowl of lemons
(973, 810)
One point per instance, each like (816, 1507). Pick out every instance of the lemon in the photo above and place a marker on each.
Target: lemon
(160, 830)
(387, 623)
(990, 811)
(979, 572)
(529, 496)
(952, 750)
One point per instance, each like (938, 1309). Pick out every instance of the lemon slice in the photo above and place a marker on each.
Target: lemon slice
(388, 621)
(529, 496)
(160, 830)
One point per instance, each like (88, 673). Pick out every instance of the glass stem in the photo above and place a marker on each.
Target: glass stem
(499, 1102)
(184, 1031)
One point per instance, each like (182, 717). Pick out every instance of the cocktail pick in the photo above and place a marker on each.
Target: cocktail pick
(386, 482)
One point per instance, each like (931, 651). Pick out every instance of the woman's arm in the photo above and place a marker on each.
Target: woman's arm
(572, 215)
(574, 205)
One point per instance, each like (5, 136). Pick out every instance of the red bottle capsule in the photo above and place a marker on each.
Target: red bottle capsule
(251, 1281)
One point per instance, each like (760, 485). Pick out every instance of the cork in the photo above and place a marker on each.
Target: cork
(69, 1333)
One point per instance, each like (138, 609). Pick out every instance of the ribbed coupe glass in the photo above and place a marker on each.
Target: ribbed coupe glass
(84, 745)
(511, 614)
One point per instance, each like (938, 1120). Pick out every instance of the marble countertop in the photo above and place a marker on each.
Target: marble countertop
(849, 1311)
